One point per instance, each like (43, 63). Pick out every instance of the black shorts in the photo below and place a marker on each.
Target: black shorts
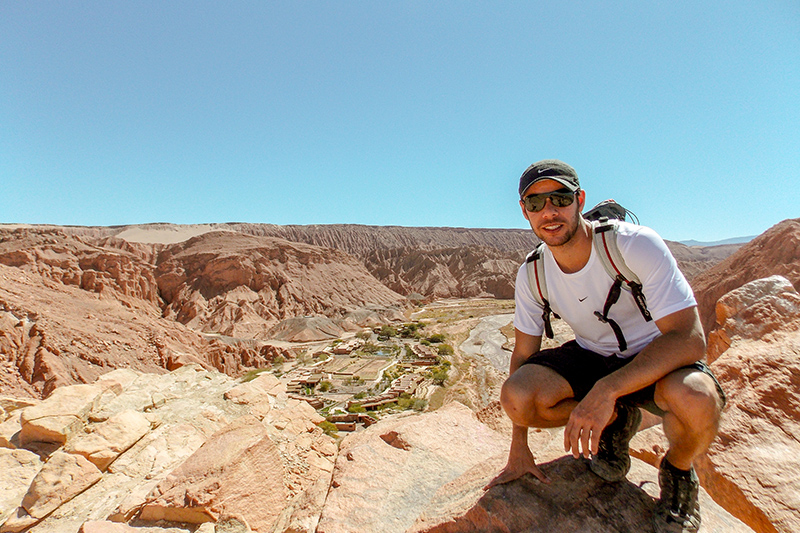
(583, 368)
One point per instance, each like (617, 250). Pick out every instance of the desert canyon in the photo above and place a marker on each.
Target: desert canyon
(253, 377)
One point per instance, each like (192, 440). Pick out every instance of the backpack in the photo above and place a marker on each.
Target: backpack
(603, 218)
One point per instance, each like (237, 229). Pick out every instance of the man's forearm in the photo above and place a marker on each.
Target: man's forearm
(665, 354)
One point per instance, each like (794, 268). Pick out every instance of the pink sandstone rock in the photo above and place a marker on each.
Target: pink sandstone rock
(381, 487)
(17, 470)
(574, 500)
(62, 477)
(257, 391)
(236, 473)
(109, 439)
(754, 311)
(103, 526)
(753, 467)
(60, 416)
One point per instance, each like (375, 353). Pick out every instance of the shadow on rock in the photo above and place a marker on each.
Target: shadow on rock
(576, 500)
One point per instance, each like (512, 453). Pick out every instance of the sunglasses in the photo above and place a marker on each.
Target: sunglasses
(560, 198)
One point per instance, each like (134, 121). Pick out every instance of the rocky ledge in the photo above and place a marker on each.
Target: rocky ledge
(195, 450)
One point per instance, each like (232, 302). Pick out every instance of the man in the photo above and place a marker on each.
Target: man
(595, 384)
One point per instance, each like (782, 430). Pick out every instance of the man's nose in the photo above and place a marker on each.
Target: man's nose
(549, 208)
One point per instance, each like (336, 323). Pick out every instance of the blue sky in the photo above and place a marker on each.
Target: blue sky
(398, 113)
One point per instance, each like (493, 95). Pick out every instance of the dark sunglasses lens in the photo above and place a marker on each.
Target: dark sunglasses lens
(562, 200)
(535, 202)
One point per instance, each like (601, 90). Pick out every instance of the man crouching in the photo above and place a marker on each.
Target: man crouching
(623, 357)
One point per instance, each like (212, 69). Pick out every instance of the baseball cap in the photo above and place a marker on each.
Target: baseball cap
(549, 169)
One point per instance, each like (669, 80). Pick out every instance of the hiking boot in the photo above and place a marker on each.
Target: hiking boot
(613, 460)
(678, 509)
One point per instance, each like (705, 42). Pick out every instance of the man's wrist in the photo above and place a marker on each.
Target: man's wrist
(608, 387)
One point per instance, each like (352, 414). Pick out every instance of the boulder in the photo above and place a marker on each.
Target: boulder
(756, 310)
(236, 473)
(9, 431)
(63, 477)
(776, 251)
(574, 500)
(60, 416)
(387, 474)
(17, 470)
(753, 467)
(257, 391)
(108, 440)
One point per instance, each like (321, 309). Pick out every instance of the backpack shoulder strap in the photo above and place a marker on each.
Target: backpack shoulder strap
(534, 266)
(604, 237)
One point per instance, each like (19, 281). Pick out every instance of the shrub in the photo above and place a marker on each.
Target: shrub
(445, 349)
(370, 347)
(439, 376)
(410, 353)
(388, 331)
(436, 338)
(364, 335)
(419, 404)
(325, 386)
(252, 374)
(357, 409)
(329, 428)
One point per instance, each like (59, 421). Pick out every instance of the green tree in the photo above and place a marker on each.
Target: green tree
(388, 331)
(325, 386)
(439, 376)
(436, 338)
(370, 347)
(329, 428)
(409, 352)
(445, 349)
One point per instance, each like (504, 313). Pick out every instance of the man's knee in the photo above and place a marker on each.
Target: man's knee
(692, 396)
(530, 392)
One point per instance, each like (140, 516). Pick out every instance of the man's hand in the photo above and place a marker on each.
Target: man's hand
(587, 421)
(520, 462)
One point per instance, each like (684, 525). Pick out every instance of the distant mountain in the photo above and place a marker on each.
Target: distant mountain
(734, 240)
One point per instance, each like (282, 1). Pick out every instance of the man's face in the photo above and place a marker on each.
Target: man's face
(553, 225)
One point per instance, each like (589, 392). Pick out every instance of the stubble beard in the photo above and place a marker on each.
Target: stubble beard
(571, 225)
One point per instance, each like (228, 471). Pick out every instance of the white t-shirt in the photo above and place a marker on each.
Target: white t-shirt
(575, 297)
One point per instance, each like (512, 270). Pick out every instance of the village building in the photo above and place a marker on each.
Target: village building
(345, 348)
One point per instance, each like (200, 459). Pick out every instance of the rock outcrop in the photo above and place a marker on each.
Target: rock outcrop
(190, 446)
(240, 285)
(74, 307)
(753, 468)
(775, 252)
(426, 474)
(466, 272)
(246, 457)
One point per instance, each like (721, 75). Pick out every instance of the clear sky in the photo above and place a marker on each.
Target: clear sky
(398, 113)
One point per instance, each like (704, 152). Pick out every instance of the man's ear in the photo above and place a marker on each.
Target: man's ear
(581, 200)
